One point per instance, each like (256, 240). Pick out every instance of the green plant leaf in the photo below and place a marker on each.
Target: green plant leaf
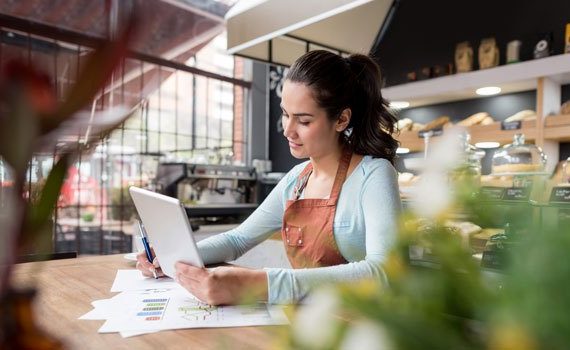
(18, 130)
(39, 213)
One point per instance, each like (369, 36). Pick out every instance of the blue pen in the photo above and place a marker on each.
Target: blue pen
(146, 246)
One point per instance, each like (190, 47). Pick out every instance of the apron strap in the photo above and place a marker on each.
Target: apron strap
(341, 173)
(338, 180)
(302, 181)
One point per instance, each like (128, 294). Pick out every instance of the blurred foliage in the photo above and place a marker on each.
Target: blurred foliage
(32, 120)
(453, 303)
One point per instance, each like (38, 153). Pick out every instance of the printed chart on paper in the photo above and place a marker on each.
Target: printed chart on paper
(158, 309)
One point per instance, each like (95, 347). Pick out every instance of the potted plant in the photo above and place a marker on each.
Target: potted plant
(454, 303)
(32, 120)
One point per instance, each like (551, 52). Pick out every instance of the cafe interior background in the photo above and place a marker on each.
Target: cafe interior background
(207, 76)
(206, 108)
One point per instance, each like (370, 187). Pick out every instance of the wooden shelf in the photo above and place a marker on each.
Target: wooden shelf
(479, 133)
(557, 120)
(557, 128)
(493, 132)
(510, 78)
(544, 75)
(411, 140)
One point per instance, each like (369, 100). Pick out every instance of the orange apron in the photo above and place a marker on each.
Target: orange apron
(307, 229)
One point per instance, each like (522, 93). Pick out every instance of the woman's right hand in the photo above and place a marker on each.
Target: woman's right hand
(144, 266)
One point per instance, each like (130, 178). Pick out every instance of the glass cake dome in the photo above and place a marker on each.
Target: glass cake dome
(518, 157)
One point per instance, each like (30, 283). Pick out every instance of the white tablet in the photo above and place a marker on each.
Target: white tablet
(168, 229)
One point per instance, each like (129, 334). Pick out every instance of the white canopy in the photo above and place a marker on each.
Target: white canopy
(279, 31)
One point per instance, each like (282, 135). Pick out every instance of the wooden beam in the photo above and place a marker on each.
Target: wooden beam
(48, 31)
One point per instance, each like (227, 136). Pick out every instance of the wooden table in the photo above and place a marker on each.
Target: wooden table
(67, 287)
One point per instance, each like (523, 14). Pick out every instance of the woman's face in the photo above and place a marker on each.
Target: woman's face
(305, 125)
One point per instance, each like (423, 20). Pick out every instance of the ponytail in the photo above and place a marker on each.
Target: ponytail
(372, 122)
(353, 82)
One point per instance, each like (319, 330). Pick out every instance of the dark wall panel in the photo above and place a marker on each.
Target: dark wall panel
(424, 33)
(566, 91)
(279, 154)
(564, 151)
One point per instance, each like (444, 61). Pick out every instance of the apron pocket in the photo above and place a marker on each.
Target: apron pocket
(293, 236)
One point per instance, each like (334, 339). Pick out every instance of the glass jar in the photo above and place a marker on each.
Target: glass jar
(566, 172)
(518, 157)
(470, 166)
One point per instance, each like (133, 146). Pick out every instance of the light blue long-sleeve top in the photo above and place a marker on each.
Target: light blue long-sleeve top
(365, 227)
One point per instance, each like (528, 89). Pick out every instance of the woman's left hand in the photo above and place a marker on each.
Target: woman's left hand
(224, 285)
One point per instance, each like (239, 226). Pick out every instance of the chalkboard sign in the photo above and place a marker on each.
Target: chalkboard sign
(511, 125)
(432, 132)
(279, 152)
(517, 194)
(492, 193)
(560, 195)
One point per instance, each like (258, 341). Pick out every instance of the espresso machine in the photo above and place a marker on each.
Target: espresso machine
(209, 191)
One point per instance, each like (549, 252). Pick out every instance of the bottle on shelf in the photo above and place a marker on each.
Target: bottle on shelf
(566, 172)
(469, 169)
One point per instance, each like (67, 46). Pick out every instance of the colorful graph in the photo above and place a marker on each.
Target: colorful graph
(197, 311)
(152, 309)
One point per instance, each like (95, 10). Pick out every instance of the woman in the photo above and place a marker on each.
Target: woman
(337, 212)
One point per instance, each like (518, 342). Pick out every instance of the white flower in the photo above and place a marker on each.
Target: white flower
(446, 151)
(365, 335)
(433, 194)
(315, 323)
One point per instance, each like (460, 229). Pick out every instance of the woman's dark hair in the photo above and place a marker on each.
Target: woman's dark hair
(354, 82)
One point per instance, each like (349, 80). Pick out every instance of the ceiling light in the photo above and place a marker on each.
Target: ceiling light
(487, 144)
(488, 90)
(402, 150)
(399, 104)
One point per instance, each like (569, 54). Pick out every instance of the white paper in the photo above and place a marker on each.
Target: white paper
(102, 309)
(127, 280)
(95, 314)
(161, 309)
(147, 305)
(128, 334)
